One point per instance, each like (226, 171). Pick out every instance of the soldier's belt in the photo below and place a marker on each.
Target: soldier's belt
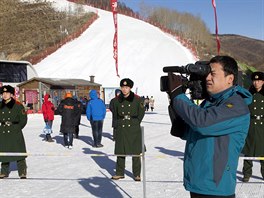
(7, 123)
(126, 117)
(256, 117)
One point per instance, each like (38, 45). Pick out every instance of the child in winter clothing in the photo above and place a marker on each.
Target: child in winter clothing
(48, 114)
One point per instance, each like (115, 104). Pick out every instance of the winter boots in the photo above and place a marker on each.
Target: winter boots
(245, 179)
(2, 176)
(23, 176)
(117, 177)
(49, 139)
(137, 178)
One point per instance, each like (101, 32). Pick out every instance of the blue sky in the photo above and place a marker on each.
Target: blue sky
(243, 17)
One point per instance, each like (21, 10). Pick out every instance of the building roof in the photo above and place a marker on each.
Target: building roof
(62, 82)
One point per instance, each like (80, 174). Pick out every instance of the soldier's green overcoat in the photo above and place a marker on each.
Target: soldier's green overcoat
(128, 113)
(254, 146)
(11, 137)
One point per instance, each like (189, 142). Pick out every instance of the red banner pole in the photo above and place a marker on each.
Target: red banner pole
(115, 41)
(216, 28)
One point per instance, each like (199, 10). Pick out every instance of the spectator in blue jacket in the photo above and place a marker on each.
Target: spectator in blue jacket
(95, 113)
(215, 131)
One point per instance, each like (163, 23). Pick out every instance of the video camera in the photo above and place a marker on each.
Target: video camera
(196, 83)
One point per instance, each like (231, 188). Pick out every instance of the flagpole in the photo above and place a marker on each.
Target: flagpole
(216, 28)
(115, 40)
(143, 162)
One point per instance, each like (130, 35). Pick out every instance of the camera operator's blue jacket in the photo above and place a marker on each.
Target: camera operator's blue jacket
(215, 135)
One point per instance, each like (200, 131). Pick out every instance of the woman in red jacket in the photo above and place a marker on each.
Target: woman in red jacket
(48, 114)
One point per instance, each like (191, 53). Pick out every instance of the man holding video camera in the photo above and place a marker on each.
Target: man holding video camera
(215, 131)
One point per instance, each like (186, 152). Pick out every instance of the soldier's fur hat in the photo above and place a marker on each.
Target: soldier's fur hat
(7, 88)
(257, 76)
(126, 82)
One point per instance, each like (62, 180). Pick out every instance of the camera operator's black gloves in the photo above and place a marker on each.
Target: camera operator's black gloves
(175, 85)
(178, 126)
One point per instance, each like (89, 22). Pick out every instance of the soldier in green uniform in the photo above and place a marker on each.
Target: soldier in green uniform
(13, 119)
(254, 146)
(128, 110)
(111, 107)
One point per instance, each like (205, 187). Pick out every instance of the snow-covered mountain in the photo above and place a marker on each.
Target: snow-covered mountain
(85, 172)
(143, 50)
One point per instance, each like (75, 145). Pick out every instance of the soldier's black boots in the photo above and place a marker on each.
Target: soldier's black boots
(117, 177)
(245, 179)
(137, 178)
(23, 176)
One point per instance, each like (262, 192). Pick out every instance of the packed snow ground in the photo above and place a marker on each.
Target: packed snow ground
(55, 171)
(84, 171)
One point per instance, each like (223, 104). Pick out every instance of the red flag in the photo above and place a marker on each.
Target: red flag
(216, 28)
(115, 41)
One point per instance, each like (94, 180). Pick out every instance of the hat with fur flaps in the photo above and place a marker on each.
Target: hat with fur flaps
(126, 82)
(257, 76)
(8, 88)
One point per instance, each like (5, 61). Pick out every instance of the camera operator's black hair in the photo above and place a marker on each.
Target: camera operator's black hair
(229, 65)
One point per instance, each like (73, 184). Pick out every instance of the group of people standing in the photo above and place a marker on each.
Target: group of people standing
(215, 131)
(70, 110)
(127, 110)
(148, 103)
(127, 113)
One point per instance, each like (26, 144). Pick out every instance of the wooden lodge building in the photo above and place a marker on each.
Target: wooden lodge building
(32, 91)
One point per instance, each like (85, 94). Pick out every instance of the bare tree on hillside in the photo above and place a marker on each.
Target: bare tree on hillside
(28, 28)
